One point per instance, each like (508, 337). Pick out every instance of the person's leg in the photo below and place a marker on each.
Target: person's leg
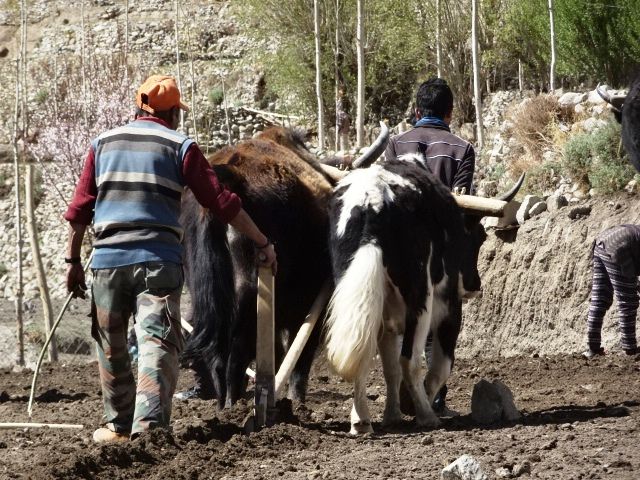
(111, 309)
(160, 342)
(601, 300)
(626, 293)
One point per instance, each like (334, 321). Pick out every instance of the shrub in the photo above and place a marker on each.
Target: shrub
(544, 177)
(597, 160)
(533, 123)
(577, 158)
(216, 96)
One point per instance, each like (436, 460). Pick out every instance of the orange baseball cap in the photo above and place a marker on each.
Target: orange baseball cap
(159, 93)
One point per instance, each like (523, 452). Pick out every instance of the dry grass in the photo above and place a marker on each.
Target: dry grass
(535, 123)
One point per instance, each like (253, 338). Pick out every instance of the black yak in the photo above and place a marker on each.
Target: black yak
(626, 109)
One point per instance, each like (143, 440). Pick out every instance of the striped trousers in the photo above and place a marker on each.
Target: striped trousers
(608, 281)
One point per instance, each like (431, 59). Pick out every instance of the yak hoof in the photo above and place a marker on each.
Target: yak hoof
(428, 421)
(391, 417)
(360, 428)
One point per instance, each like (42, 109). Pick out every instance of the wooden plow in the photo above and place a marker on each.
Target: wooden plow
(268, 384)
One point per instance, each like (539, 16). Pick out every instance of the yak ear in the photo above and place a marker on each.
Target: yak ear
(234, 158)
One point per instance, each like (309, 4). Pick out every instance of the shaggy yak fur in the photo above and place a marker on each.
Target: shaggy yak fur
(285, 192)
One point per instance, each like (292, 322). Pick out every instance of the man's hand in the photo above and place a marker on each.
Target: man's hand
(267, 257)
(75, 280)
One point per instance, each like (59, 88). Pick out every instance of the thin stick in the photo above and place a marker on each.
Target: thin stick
(71, 426)
(46, 343)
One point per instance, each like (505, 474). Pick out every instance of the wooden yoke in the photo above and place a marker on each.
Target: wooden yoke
(265, 395)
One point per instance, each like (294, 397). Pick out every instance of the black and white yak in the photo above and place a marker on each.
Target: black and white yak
(626, 109)
(286, 192)
(403, 257)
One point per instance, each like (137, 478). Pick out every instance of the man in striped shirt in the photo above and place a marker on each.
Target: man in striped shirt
(447, 156)
(131, 188)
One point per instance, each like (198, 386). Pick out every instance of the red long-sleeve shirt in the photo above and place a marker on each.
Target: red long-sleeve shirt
(196, 171)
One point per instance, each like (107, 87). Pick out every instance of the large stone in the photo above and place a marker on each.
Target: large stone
(537, 209)
(571, 99)
(523, 212)
(464, 468)
(492, 403)
(556, 202)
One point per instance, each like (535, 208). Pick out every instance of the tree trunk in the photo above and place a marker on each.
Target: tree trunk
(552, 71)
(85, 94)
(177, 22)
(476, 71)
(16, 173)
(520, 78)
(360, 50)
(126, 36)
(226, 114)
(336, 66)
(316, 30)
(37, 260)
(438, 40)
(23, 55)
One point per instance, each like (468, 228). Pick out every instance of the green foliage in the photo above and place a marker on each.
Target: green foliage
(595, 40)
(394, 53)
(596, 159)
(216, 96)
(41, 96)
(543, 177)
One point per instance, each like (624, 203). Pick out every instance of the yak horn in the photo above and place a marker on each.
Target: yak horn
(488, 207)
(510, 195)
(333, 173)
(616, 101)
(376, 149)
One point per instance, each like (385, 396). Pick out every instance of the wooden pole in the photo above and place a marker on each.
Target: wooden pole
(293, 354)
(265, 347)
(18, 223)
(45, 298)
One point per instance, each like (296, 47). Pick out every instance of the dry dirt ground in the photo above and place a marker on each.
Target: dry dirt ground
(581, 420)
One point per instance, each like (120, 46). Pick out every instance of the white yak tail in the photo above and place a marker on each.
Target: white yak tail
(355, 312)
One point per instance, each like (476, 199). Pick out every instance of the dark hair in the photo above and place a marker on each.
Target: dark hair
(164, 115)
(434, 98)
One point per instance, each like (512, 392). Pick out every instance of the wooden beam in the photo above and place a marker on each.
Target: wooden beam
(69, 426)
(293, 354)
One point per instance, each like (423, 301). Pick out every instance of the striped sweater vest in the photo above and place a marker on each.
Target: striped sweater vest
(139, 179)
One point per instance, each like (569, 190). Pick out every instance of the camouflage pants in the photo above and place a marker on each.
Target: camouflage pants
(151, 293)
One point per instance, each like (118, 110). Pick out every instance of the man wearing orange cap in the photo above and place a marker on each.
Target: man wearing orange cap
(131, 187)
